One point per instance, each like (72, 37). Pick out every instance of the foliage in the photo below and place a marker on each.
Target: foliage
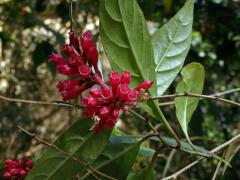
(212, 39)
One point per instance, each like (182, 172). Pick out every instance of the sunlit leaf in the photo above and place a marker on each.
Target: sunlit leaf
(127, 44)
(171, 44)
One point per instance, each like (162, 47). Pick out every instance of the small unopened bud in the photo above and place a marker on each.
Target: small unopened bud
(96, 93)
(126, 77)
(123, 91)
(144, 85)
(86, 40)
(84, 71)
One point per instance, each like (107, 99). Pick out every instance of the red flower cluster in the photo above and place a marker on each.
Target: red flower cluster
(17, 169)
(82, 55)
(104, 104)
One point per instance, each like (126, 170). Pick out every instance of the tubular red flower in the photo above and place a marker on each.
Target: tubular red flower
(68, 50)
(17, 169)
(144, 85)
(115, 80)
(84, 71)
(86, 40)
(90, 102)
(126, 77)
(74, 41)
(72, 93)
(68, 70)
(96, 93)
(57, 59)
(122, 91)
(107, 94)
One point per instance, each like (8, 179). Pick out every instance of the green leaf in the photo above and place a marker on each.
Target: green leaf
(127, 43)
(117, 159)
(192, 82)
(171, 44)
(146, 174)
(79, 142)
(41, 53)
(229, 154)
(2, 165)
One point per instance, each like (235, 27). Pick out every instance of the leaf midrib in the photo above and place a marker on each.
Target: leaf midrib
(167, 49)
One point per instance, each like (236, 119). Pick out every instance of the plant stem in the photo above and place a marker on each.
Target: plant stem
(186, 94)
(70, 4)
(88, 166)
(222, 146)
(56, 103)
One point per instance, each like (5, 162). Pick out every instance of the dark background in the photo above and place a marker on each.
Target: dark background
(31, 29)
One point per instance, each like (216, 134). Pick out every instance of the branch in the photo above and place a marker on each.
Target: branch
(186, 94)
(56, 103)
(70, 3)
(222, 146)
(89, 167)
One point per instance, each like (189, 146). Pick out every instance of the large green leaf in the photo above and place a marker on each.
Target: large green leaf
(192, 82)
(146, 174)
(127, 43)
(78, 141)
(171, 44)
(117, 159)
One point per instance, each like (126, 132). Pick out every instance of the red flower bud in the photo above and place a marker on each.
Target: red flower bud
(114, 81)
(14, 171)
(74, 41)
(92, 55)
(57, 59)
(84, 71)
(90, 102)
(28, 164)
(89, 112)
(86, 41)
(96, 93)
(23, 173)
(71, 93)
(107, 94)
(67, 84)
(68, 50)
(144, 85)
(126, 77)
(123, 91)
(132, 96)
(99, 126)
(76, 60)
(67, 69)
(104, 111)
(7, 175)
(111, 121)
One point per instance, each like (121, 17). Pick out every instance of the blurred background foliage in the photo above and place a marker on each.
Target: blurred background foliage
(31, 29)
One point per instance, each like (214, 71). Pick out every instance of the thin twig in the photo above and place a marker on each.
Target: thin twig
(86, 165)
(169, 160)
(155, 155)
(222, 146)
(173, 96)
(56, 103)
(70, 3)
(217, 170)
(226, 92)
